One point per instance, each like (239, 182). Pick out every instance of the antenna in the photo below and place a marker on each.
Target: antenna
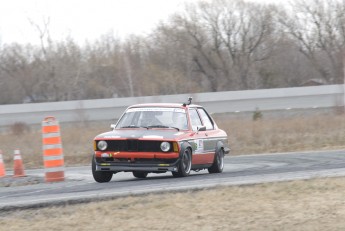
(189, 101)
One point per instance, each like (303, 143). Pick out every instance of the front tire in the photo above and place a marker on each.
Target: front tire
(99, 176)
(184, 165)
(218, 163)
(140, 175)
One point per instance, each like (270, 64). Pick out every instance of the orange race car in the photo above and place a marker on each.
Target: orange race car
(156, 138)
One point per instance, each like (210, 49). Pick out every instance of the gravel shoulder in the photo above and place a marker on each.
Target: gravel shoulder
(10, 181)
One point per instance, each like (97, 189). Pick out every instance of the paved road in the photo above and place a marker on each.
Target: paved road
(80, 186)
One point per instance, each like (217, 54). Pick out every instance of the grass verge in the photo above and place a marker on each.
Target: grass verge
(317, 204)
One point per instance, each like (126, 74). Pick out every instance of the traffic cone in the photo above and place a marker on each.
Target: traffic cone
(2, 166)
(18, 170)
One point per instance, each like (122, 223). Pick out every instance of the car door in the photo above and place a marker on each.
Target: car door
(211, 134)
(200, 142)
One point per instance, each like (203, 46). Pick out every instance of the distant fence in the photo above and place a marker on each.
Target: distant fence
(214, 102)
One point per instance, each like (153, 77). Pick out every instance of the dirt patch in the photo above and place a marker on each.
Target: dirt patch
(9, 181)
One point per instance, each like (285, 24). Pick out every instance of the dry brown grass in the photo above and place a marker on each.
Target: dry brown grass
(268, 135)
(76, 141)
(299, 133)
(317, 204)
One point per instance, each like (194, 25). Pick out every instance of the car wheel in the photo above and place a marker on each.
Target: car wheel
(184, 165)
(99, 176)
(140, 174)
(218, 163)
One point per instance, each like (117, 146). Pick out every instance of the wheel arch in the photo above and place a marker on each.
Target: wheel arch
(184, 146)
(219, 146)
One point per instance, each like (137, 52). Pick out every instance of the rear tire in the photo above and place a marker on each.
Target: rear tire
(218, 163)
(184, 165)
(99, 176)
(140, 175)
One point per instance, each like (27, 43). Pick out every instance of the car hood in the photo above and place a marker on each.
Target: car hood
(166, 134)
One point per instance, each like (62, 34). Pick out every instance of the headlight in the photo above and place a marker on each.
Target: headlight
(165, 146)
(102, 145)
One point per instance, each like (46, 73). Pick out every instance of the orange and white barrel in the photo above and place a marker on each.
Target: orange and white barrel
(53, 158)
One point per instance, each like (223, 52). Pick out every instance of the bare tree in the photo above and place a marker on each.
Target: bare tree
(229, 37)
(169, 62)
(318, 29)
(20, 70)
(212, 46)
(43, 32)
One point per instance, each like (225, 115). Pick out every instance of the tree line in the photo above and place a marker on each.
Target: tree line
(217, 45)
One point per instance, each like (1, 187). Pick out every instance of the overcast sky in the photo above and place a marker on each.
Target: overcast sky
(82, 19)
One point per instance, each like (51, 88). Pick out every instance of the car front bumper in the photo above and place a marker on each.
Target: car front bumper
(154, 166)
(134, 167)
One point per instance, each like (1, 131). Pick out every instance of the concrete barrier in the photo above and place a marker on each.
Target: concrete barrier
(214, 102)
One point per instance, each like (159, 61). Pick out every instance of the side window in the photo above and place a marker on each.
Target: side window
(206, 119)
(128, 119)
(195, 119)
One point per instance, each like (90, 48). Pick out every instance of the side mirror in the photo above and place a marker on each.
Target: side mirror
(112, 126)
(201, 128)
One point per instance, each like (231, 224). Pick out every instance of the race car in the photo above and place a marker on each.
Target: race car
(158, 138)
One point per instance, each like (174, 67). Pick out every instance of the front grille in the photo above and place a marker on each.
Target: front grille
(134, 146)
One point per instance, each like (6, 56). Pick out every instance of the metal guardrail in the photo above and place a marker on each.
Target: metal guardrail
(214, 102)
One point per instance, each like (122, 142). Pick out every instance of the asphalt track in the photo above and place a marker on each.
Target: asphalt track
(79, 185)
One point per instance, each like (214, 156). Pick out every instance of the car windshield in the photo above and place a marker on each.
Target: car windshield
(154, 117)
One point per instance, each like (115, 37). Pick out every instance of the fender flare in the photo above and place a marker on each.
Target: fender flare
(219, 146)
(184, 146)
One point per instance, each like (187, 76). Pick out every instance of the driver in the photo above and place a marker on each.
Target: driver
(179, 120)
(148, 118)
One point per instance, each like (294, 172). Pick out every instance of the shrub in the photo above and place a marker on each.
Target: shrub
(19, 128)
(257, 115)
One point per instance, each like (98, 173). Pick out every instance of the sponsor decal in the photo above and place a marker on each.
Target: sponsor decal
(178, 133)
(113, 154)
(156, 109)
(194, 145)
(180, 110)
(164, 165)
(198, 146)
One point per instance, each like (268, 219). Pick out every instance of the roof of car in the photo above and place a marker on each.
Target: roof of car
(179, 105)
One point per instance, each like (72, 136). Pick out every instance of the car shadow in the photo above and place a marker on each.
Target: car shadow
(157, 176)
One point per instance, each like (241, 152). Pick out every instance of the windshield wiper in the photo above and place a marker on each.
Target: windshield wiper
(162, 126)
(132, 126)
